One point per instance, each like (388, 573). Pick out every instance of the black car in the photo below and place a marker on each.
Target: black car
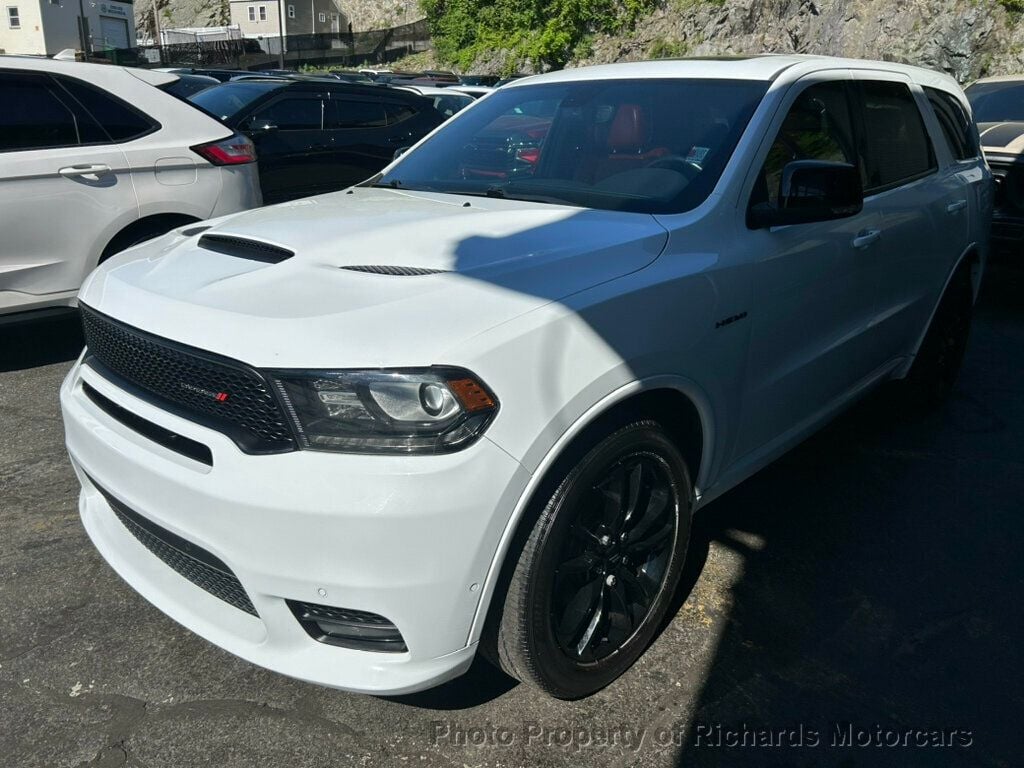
(319, 136)
(998, 105)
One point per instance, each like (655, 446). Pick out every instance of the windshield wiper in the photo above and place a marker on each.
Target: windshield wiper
(393, 184)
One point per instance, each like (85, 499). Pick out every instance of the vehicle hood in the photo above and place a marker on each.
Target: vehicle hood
(1002, 138)
(488, 261)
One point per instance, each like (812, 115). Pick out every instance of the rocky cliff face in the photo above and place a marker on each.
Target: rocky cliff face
(967, 38)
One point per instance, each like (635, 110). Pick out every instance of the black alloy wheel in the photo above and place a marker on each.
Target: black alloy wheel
(596, 573)
(614, 562)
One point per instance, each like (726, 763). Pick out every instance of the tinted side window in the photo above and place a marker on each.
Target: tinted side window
(818, 126)
(956, 126)
(121, 122)
(398, 112)
(896, 144)
(33, 117)
(343, 113)
(295, 114)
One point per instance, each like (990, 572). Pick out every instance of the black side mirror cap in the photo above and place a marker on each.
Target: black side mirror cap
(811, 190)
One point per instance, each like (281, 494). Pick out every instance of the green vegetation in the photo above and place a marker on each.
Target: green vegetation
(548, 33)
(1013, 6)
(667, 49)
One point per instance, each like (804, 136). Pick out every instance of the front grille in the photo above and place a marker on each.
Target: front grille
(221, 393)
(202, 568)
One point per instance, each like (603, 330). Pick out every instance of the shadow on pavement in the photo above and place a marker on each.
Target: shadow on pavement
(881, 579)
(28, 342)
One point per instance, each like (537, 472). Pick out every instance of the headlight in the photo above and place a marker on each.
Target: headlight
(435, 410)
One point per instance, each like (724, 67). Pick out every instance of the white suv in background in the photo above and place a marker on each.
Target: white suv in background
(474, 402)
(94, 159)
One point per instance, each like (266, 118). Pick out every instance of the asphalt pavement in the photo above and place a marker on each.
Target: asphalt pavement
(857, 603)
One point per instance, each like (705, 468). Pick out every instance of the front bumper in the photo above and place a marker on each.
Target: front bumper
(409, 538)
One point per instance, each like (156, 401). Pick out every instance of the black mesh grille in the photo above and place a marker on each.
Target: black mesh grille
(218, 392)
(197, 565)
(388, 269)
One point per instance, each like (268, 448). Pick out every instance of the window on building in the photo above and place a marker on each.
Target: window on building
(322, 17)
(291, 11)
(13, 18)
(252, 13)
(263, 13)
(54, 2)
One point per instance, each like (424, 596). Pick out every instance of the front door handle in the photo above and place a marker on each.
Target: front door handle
(957, 206)
(866, 237)
(72, 171)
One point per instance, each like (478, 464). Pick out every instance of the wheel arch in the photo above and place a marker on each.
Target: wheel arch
(127, 235)
(690, 424)
(972, 259)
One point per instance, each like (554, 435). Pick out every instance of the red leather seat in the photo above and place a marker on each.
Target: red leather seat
(627, 144)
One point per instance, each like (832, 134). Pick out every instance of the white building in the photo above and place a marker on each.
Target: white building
(46, 27)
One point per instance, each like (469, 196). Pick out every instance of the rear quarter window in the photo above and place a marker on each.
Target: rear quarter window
(957, 127)
(119, 120)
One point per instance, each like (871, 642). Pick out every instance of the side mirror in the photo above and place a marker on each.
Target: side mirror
(811, 190)
(399, 152)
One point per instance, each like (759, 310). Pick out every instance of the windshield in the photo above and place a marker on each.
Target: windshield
(649, 146)
(997, 102)
(228, 99)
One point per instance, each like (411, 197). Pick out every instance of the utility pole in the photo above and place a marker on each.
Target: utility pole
(83, 29)
(156, 26)
(280, 34)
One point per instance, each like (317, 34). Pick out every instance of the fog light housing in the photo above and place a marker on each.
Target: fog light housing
(348, 628)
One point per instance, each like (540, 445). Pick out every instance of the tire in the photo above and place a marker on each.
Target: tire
(938, 361)
(577, 613)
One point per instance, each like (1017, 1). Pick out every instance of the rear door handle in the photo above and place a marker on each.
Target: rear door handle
(866, 237)
(954, 207)
(72, 171)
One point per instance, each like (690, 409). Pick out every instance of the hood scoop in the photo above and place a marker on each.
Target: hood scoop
(387, 269)
(243, 248)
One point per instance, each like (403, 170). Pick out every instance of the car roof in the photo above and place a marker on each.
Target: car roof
(767, 67)
(999, 79)
(91, 72)
(426, 90)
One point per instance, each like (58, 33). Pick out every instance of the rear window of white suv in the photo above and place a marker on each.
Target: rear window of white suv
(649, 146)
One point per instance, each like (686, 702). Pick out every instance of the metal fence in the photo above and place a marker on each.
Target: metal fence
(330, 49)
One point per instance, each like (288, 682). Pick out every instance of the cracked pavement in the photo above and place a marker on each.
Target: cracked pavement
(872, 576)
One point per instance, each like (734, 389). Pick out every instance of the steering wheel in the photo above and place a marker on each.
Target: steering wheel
(679, 164)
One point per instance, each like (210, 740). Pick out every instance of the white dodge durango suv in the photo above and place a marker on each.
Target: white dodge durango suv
(95, 158)
(473, 403)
